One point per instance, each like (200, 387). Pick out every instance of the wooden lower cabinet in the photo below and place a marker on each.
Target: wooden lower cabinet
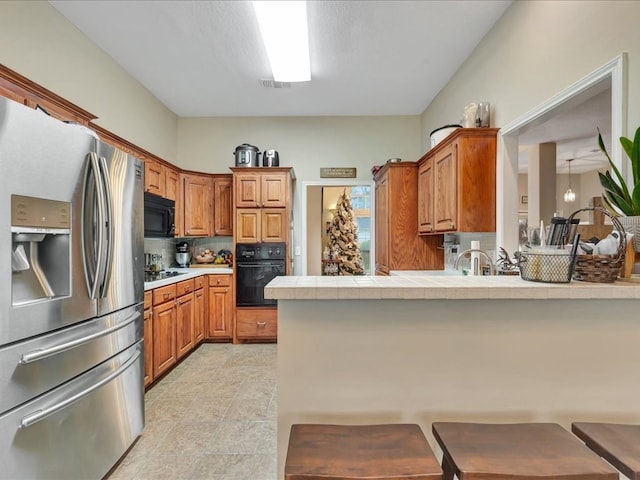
(164, 335)
(148, 338)
(220, 303)
(185, 333)
(180, 316)
(199, 308)
(185, 317)
(257, 324)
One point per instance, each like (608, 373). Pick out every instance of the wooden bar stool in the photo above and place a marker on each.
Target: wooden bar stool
(618, 444)
(525, 451)
(352, 452)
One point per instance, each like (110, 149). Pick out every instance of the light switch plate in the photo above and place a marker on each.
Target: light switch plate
(298, 251)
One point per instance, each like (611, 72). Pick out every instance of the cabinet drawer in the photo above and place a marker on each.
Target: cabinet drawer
(220, 280)
(254, 324)
(164, 294)
(148, 299)
(184, 287)
(199, 281)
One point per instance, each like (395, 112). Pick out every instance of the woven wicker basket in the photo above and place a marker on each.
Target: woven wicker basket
(600, 268)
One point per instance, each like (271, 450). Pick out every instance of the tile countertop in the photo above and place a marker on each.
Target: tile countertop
(441, 287)
(188, 273)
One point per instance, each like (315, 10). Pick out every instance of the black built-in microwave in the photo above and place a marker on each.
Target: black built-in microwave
(159, 216)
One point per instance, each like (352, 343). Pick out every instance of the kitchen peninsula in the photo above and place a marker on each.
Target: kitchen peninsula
(420, 349)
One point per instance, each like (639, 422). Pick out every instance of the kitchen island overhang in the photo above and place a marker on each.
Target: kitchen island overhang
(423, 349)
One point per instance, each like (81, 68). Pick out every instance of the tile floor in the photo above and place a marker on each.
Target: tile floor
(212, 417)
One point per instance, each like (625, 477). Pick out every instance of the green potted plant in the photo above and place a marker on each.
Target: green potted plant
(620, 198)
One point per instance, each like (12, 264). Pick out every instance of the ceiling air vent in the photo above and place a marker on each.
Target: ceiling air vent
(266, 83)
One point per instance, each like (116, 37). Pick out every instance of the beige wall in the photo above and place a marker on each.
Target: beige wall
(40, 44)
(537, 49)
(306, 143)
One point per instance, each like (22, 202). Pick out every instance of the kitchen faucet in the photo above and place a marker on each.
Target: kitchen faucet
(475, 250)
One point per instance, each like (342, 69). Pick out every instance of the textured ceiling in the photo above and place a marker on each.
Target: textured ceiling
(205, 58)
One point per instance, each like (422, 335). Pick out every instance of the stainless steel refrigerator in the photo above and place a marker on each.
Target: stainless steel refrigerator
(71, 311)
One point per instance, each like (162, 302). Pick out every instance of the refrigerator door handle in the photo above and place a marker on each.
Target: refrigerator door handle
(109, 227)
(36, 355)
(33, 418)
(93, 219)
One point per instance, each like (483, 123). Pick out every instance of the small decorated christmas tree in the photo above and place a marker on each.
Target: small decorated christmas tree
(343, 238)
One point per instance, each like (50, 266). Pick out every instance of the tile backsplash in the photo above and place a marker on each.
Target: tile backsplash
(456, 243)
(166, 247)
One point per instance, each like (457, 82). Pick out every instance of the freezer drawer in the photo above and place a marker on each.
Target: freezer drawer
(32, 367)
(80, 429)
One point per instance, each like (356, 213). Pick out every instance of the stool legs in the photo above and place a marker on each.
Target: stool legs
(448, 470)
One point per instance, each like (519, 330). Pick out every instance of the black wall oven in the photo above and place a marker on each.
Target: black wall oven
(256, 265)
(159, 216)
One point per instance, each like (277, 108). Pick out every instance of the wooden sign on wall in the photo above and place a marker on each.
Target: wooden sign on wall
(338, 172)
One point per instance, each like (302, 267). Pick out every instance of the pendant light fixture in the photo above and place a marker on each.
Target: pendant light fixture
(569, 195)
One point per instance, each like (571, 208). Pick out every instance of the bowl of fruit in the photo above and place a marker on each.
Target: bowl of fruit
(207, 256)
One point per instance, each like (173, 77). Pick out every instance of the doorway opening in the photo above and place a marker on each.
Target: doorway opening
(318, 203)
(610, 77)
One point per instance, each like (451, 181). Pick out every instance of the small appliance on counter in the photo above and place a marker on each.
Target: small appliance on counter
(270, 158)
(182, 254)
(247, 155)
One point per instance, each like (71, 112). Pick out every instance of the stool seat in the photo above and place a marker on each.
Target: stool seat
(352, 452)
(619, 444)
(524, 451)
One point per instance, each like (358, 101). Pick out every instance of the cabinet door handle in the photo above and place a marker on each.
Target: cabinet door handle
(166, 295)
(261, 324)
(453, 225)
(218, 282)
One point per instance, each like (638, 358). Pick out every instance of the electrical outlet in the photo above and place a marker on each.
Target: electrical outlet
(298, 251)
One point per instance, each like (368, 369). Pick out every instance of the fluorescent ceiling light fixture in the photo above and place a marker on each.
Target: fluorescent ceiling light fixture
(283, 25)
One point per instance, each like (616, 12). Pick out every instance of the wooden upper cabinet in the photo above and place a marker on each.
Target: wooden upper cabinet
(7, 92)
(398, 245)
(154, 179)
(197, 205)
(247, 190)
(261, 189)
(273, 225)
(171, 183)
(256, 225)
(223, 205)
(274, 190)
(425, 197)
(457, 183)
(262, 198)
(445, 180)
